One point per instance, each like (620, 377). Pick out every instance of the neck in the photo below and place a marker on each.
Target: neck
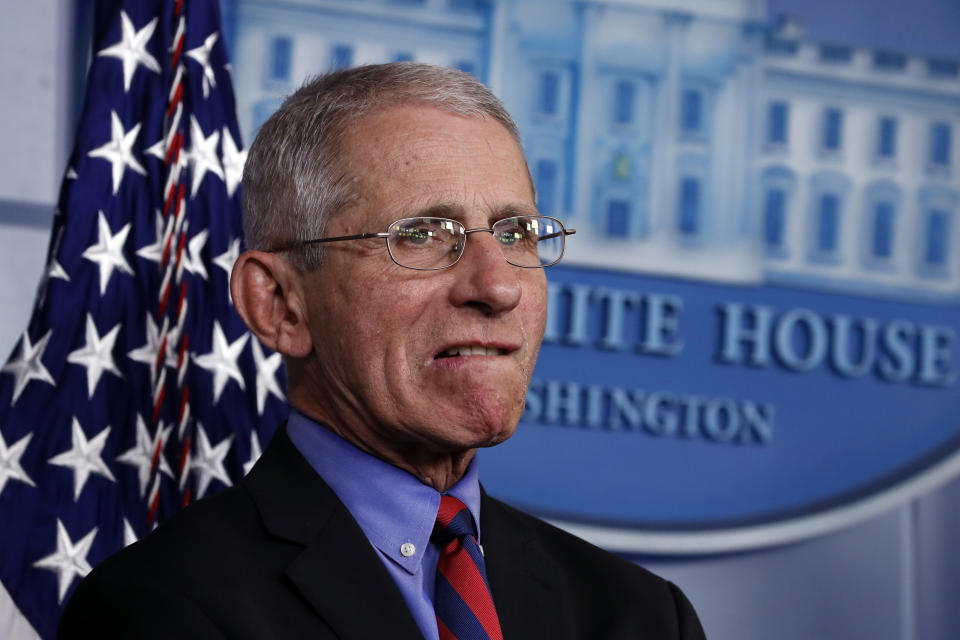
(438, 469)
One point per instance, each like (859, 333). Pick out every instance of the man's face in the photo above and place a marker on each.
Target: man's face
(383, 334)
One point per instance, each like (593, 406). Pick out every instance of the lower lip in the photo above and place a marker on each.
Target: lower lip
(452, 362)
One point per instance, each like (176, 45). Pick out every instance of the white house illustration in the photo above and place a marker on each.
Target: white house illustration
(692, 138)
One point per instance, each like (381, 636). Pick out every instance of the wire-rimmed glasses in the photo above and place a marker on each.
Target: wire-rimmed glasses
(430, 244)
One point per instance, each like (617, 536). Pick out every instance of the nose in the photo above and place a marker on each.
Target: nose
(484, 279)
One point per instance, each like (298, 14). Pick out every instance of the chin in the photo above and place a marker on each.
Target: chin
(474, 425)
(499, 438)
(489, 434)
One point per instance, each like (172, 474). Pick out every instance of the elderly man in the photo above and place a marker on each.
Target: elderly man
(395, 261)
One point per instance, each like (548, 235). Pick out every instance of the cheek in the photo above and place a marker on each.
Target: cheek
(535, 311)
(388, 334)
(346, 346)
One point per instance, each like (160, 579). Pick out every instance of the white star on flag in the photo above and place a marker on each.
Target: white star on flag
(132, 49)
(84, 457)
(202, 155)
(233, 161)
(208, 461)
(158, 149)
(255, 453)
(97, 354)
(10, 468)
(142, 453)
(222, 360)
(202, 55)
(29, 366)
(266, 375)
(154, 252)
(228, 258)
(108, 252)
(129, 535)
(193, 262)
(54, 270)
(147, 354)
(119, 150)
(69, 560)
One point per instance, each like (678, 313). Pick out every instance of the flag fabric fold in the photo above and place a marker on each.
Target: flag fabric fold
(136, 388)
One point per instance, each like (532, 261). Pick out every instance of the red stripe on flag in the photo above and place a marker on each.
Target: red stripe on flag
(166, 253)
(158, 404)
(163, 300)
(161, 353)
(180, 246)
(155, 461)
(178, 94)
(152, 513)
(180, 195)
(183, 295)
(177, 147)
(175, 58)
(183, 350)
(172, 153)
(184, 454)
(169, 201)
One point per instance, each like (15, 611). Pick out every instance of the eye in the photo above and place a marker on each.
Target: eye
(415, 235)
(520, 233)
(510, 237)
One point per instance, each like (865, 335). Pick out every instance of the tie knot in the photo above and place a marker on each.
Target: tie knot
(454, 520)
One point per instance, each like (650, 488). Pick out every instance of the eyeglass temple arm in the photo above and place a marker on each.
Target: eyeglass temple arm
(297, 243)
(382, 234)
(565, 232)
(359, 236)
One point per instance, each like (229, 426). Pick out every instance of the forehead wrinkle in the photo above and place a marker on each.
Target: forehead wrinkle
(404, 150)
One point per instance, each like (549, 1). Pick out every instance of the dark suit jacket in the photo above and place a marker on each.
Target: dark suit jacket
(279, 556)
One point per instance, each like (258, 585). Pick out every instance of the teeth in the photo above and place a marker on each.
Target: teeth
(472, 351)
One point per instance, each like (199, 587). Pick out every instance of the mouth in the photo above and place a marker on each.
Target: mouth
(470, 350)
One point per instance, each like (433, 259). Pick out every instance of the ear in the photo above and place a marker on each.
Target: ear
(266, 294)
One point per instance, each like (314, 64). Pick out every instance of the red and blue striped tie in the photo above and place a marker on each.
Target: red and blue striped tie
(462, 595)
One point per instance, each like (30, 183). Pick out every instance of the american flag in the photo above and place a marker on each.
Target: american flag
(135, 388)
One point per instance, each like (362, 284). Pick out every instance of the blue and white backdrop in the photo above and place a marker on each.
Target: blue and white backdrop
(749, 381)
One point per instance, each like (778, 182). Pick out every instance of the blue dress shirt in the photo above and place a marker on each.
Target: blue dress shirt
(395, 510)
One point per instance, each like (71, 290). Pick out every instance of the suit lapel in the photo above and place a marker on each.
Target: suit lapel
(338, 571)
(341, 576)
(525, 583)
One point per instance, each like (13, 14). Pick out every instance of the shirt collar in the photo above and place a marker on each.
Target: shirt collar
(391, 506)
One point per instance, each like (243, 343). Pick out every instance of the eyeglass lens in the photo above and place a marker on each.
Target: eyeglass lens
(436, 243)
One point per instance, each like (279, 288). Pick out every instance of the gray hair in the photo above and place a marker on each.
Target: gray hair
(294, 179)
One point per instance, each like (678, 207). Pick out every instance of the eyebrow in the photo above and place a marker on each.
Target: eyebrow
(457, 212)
(442, 210)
